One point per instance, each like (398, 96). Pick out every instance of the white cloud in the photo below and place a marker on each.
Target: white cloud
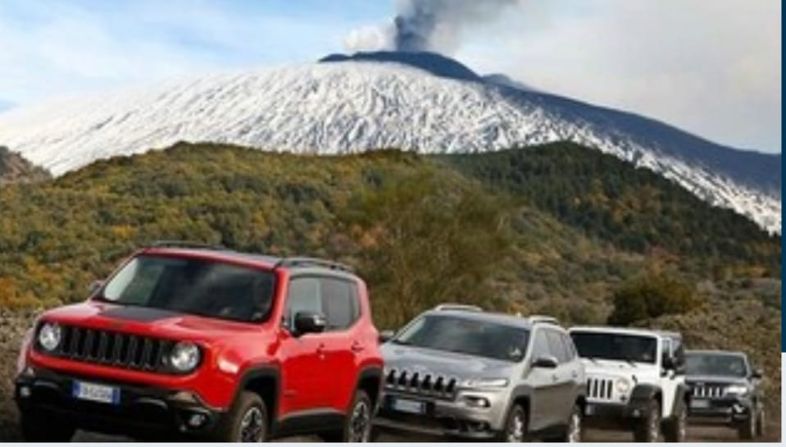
(710, 66)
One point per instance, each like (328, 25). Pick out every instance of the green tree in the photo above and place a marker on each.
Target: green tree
(652, 296)
(428, 238)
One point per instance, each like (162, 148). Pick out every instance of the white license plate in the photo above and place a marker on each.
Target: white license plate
(590, 410)
(699, 403)
(96, 393)
(409, 406)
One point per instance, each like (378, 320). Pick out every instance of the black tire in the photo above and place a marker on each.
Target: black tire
(247, 421)
(515, 425)
(676, 429)
(41, 427)
(747, 428)
(357, 424)
(648, 428)
(574, 432)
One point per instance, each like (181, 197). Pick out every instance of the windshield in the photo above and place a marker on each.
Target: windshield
(725, 365)
(193, 286)
(466, 336)
(622, 347)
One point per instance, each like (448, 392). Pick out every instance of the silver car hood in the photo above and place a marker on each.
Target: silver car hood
(461, 366)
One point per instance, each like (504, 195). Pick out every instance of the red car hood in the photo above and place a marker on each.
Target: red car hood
(150, 322)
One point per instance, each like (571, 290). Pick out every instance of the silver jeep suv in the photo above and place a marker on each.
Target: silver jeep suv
(458, 371)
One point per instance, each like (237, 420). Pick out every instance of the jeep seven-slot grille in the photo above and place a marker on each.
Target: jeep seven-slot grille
(709, 390)
(599, 388)
(113, 348)
(421, 383)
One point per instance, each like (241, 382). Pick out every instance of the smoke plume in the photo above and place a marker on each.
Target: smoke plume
(428, 25)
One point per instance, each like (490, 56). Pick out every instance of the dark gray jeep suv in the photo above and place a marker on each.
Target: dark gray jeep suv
(725, 390)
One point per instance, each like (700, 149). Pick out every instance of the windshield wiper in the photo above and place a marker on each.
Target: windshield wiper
(631, 362)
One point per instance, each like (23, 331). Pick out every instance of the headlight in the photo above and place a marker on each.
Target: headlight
(622, 385)
(49, 336)
(484, 383)
(736, 390)
(184, 357)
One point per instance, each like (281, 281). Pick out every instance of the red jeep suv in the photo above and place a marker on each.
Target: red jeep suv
(193, 341)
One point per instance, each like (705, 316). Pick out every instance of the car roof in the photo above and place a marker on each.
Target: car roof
(259, 260)
(621, 330)
(492, 317)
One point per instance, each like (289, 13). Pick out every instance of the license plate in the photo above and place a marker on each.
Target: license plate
(409, 406)
(590, 410)
(699, 403)
(96, 393)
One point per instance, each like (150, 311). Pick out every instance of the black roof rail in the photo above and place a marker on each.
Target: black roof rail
(186, 244)
(300, 261)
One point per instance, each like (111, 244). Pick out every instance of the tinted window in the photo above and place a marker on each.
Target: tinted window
(612, 346)
(712, 364)
(540, 345)
(340, 302)
(466, 336)
(195, 286)
(305, 295)
(568, 342)
(557, 346)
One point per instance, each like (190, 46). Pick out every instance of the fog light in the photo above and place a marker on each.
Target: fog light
(636, 413)
(197, 420)
(25, 392)
(477, 402)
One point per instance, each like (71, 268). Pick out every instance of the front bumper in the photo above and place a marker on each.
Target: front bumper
(719, 410)
(447, 418)
(140, 410)
(613, 415)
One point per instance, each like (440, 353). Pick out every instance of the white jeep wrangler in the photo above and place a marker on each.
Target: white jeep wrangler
(635, 380)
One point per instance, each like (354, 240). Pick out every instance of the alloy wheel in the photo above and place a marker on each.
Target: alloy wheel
(360, 423)
(516, 427)
(252, 426)
(574, 427)
(653, 424)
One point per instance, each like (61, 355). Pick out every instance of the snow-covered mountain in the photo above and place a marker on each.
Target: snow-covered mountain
(413, 101)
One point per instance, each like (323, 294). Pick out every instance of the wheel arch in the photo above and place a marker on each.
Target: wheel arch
(370, 379)
(265, 381)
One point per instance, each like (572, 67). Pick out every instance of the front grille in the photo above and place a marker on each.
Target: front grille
(426, 384)
(707, 390)
(600, 388)
(113, 348)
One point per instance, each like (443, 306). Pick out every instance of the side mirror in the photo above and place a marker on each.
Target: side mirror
(386, 336)
(547, 362)
(668, 363)
(757, 374)
(309, 323)
(94, 287)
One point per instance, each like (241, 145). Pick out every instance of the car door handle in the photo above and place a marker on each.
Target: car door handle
(574, 374)
(554, 377)
(357, 347)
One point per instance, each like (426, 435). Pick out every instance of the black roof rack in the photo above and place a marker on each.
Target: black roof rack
(299, 261)
(186, 244)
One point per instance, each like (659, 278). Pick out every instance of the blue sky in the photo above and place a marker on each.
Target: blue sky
(709, 66)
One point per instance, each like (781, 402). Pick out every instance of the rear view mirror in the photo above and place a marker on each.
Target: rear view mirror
(757, 373)
(386, 336)
(547, 362)
(309, 323)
